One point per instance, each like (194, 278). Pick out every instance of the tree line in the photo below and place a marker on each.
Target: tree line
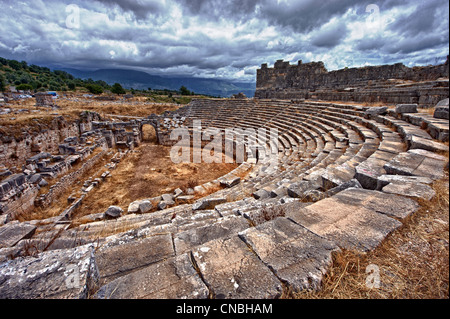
(41, 79)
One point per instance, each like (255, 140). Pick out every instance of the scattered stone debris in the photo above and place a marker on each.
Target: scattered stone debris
(113, 212)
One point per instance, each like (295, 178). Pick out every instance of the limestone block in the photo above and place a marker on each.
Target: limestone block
(441, 111)
(296, 255)
(140, 206)
(13, 232)
(224, 227)
(261, 194)
(174, 278)
(58, 274)
(377, 110)
(113, 212)
(208, 203)
(120, 259)
(355, 218)
(416, 190)
(232, 271)
(406, 108)
(416, 142)
(230, 182)
(417, 162)
(399, 179)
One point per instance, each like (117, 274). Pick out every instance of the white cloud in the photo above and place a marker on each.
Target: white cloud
(223, 38)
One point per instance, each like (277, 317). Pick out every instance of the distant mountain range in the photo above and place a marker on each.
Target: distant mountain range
(142, 81)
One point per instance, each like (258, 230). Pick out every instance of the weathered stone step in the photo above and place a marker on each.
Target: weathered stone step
(59, 274)
(415, 142)
(13, 232)
(232, 271)
(297, 256)
(355, 219)
(174, 278)
(223, 227)
(116, 260)
(417, 163)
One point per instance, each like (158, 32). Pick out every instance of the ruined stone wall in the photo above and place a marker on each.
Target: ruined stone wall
(66, 181)
(368, 84)
(15, 150)
(23, 203)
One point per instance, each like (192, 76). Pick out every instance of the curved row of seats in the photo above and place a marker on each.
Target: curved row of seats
(276, 230)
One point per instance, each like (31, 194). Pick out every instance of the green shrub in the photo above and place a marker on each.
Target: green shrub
(94, 88)
(24, 87)
(118, 89)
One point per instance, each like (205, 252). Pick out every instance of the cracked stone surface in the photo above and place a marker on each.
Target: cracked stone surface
(59, 274)
(232, 271)
(297, 256)
(227, 226)
(125, 257)
(174, 278)
(12, 233)
(351, 226)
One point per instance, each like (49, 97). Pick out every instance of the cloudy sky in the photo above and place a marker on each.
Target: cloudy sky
(223, 38)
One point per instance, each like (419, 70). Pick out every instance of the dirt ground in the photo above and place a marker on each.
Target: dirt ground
(146, 172)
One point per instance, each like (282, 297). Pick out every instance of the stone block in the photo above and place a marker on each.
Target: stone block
(350, 184)
(415, 142)
(208, 203)
(441, 110)
(224, 227)
(261, 194)
(415, 190)
(231, 182)
(297, 256)
(298, 190)
(417, 162)
(232, 271)
(355, 219)
(174, 278)
(367, 173)
(13, 232)
(399, 179)
(382, 110)
(113, 212)
(58, 274)
(406, 108)
(140, 207)
(390, 205)
(168, 198)
(185, 199)
(125, 257)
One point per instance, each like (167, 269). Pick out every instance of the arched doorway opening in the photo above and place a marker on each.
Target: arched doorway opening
(149, 134)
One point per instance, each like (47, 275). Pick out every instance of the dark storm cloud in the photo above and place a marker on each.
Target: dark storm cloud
(141, 9)
(424, 27)
(226, 38)
(330, 36)
(229, 9)
(304, 16)
(426, 18)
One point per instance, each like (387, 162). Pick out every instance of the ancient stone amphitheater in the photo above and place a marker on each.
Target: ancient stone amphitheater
(346, 177)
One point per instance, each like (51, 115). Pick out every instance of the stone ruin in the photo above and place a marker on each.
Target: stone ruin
(347, 176)
(44, 99)
(239, 96)
(391, 84)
